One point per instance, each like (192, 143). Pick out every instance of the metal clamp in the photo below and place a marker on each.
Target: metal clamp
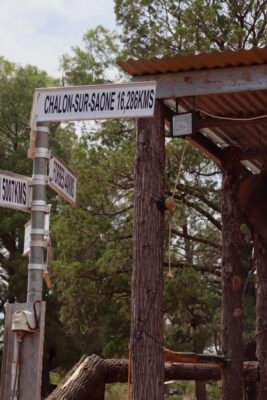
(39, 180)
(38, 243)
(41, 152)
(34, 266)
(44, 209)
(37, 231)
(40, 205)
(42, 128)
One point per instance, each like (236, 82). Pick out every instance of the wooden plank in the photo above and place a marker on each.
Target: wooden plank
(31, 356)
(213, 81)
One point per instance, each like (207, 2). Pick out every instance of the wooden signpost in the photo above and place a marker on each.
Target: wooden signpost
(133, 100)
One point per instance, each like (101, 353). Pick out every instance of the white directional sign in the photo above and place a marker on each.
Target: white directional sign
(131, 100)
(27, 232)
(62, 179)
(27, 238)
(15, 191)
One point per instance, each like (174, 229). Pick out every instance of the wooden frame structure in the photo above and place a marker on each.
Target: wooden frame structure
(228, 93)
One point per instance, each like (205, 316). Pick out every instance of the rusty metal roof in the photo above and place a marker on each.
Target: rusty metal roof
(238, 104)
(194, 62)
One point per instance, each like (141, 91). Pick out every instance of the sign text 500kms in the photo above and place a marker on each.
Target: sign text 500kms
(14, 192)
(99, 101)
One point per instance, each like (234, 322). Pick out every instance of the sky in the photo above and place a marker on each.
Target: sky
(38, 32)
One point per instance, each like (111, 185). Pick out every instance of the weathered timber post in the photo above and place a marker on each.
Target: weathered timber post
(146, 349)
(261, 314)
(232, 285)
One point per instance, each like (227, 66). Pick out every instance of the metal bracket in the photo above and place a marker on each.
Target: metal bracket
(42, 152)
(36, 266)
(39, 180)
(38, 243)
(36, 231)
(42, 128)
(40, 205)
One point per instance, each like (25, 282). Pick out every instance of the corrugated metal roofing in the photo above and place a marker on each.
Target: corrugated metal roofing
(194, 62)
(238, 104)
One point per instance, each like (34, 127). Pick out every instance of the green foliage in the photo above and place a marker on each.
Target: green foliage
(165, 27)
(94, 268)
(94, 62)
(116, 391)
(17, 85)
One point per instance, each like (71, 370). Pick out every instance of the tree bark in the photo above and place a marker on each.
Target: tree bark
(261, 314)
(146, 350)
(232, 285)
(86, 380)
(201, 393)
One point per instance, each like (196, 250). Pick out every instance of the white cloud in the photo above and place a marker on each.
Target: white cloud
(38, 32)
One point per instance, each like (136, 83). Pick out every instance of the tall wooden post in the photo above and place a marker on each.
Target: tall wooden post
(146, 348)
(261, 314)
(232, 285)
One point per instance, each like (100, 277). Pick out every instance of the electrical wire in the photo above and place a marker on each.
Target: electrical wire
(35, 317)
(170, 274)
(231, 118)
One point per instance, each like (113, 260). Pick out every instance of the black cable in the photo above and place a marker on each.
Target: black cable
(35, 317)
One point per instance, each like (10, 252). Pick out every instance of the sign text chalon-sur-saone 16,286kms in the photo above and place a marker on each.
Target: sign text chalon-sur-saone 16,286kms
(14, 191)
(132, 100)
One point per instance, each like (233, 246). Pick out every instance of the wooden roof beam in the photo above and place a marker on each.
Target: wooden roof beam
(209, 81)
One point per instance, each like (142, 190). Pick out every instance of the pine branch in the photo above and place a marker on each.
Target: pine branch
(196, 239)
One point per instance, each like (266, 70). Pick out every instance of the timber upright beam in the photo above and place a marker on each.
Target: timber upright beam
(232, 285)
(261, 314)
(146, 347)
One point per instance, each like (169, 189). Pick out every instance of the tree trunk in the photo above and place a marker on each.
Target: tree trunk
(147, 363)
(250, 388)
(86, 380)
(261, 314)
(201, 393)
(232, 285)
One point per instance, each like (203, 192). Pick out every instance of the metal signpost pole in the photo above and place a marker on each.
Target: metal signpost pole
(38, 211)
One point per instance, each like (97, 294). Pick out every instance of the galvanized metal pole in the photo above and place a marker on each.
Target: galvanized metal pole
(38, 211)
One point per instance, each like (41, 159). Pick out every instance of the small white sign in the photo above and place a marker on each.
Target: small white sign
(131, 100)
(62, 179)
(182, 124)
(15, 191)
(27, 238)
(27, 233)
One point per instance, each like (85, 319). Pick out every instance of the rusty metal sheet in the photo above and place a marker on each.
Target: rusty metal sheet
(194, 62)
(246, 102)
